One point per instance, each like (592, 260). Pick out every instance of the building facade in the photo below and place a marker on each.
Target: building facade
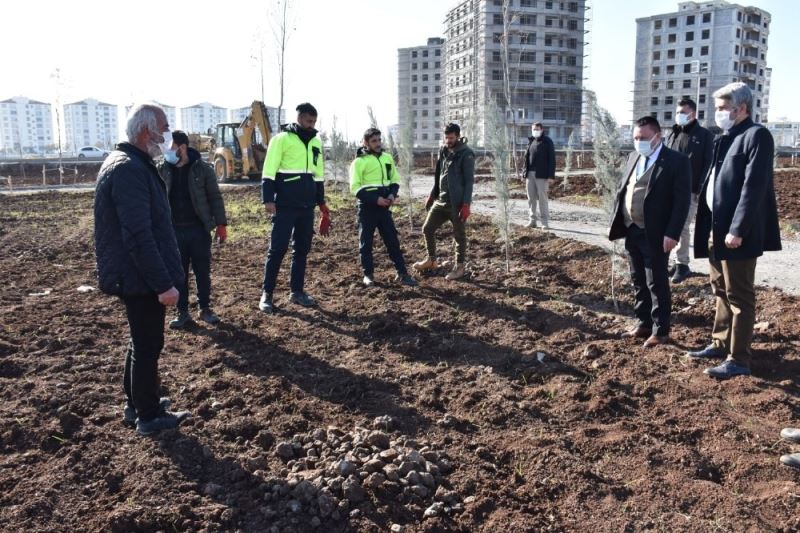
(90, 123)
(420, 91)
(201, 118)
(26, 126)
(545, 48)
(785, 133)
(695, 51)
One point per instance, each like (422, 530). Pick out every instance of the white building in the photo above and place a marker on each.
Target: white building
(239, 114)
(420, 91)
(90, 123)
(201, 118)
(26, 126)
(785, 133)
(695, 51)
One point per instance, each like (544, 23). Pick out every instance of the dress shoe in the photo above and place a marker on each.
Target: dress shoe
(129, 413)
(792, 434)
(709, 352)
(180, 321)
(426, 264)
(726, 370)
(406, 279)
(165, 420)
(681, 273)
(265, 304)
(639, 332)
(368, 281)
(656, 340)
(301, 298)
(791, 459)
(458, 272)
(208, 316)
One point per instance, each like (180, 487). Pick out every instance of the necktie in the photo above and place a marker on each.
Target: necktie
(644, 167)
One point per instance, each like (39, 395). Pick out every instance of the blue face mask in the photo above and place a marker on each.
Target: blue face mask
(171, 157)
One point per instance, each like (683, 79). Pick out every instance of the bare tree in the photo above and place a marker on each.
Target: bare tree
(373, 122)
(568, 151)
(340, 154)
(281, 30)
(497, 143)
(407, 160)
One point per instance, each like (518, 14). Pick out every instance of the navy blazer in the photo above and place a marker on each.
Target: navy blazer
(666, 202)
(744, 196)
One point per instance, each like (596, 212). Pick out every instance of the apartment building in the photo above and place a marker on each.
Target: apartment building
(420, 91)
(90, 122)
(26, 126)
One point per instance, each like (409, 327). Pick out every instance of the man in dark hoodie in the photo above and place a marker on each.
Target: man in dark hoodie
(450, 200)
(138, 259)
(292, 184)
(197, 208)
(376, 184)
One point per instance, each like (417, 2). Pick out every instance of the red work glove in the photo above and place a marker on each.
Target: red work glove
(325, 221)
(464, 212)
(222, 233)
(429, 203)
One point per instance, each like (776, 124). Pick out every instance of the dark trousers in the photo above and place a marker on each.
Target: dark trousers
(295, 225)
(140, 381)
(733, 283)
(648, 265)
(194, 243)
(369, 218)
(437, 216)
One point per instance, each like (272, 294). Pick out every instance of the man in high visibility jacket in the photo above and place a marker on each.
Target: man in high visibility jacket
(292, 184)
(374, 181)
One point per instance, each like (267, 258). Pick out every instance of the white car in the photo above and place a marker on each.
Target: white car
(91, 152)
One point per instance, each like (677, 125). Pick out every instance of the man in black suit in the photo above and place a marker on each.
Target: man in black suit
(737, 221)
(540, 168)
(649, 211)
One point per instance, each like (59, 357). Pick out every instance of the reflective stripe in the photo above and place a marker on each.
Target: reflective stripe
(292, 171)
(367, 188)
(319, 178)
(292, 179)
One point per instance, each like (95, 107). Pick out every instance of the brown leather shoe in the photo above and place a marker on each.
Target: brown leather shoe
(426, 264)
(639, 332)
(655, 340)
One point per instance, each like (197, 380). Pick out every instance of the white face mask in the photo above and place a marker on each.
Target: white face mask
(681, 119)
(724, 120)
(157, 148)
(644, 147)
(536, 133)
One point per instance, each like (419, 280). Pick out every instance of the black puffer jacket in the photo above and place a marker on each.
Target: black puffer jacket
(137, 252)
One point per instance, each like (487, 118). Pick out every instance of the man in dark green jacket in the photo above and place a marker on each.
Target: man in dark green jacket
(197, 208)
(450, 200)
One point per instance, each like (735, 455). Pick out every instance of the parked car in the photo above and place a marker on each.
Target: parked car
(91, 152)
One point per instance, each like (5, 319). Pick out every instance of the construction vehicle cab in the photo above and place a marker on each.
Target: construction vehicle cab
(240, 148)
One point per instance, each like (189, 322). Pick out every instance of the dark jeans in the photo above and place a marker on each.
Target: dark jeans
(648, 265)
(194, 243)
(141, 383)
(295, 225)
(437, 216)
(371, 217)
(733, 283)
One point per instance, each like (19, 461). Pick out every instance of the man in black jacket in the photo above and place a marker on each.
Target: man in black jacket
(450, 200)
(690, 138)
(540, 168)
(649, 211)
(138, 259)
(197, 208)
(737, 221)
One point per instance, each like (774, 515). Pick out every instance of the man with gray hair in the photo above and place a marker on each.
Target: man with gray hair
(138, 259)
(737, 221)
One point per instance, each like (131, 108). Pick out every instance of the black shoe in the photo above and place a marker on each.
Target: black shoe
(265, 304)
(129, 413)
(181, 320)
(368, 281)
(672, 268)
(406, 279)
(206, 315)
(301, 298)
(681, 273)
(165, 420)
(709, 352)
(726, 370)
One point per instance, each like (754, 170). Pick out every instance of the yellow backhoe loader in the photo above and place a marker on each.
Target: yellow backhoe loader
(240, 148)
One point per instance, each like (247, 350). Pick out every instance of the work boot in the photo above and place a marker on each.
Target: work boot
(164, 420)
(368, 281)
(206, 315)
(181, 320)
(791, 459)
(457, 272)
(129, 413)
(406, 279)
(426, 264)
(301, 298)
(681, 273)
(791, 434)
(531, 224)
(265, 304)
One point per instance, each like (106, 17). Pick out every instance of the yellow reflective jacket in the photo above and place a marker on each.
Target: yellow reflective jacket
(373, 176)
(293, 170)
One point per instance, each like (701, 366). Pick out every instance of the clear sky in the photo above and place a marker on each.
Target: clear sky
(341, 54)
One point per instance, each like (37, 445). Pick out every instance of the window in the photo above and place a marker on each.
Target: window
(673, 22)
(672, 37)
(496, 75)
(414, 90)
(656, 24)
(654, 100)
(670, 69)
(669, 100)
(413, 66)
(438, 89)
(498, 18)
(424, 53)
(670, 54)
(702, 114)
(654, 114)
(438, 52)
(656, 40)
(438, 64)
(414, 53)
(687, 84)
(424, 77)
(413, 77)
(704, 50)
(703, 82)
(667, 115)
(656, 71)
(690, 20)
(496, 56)
(690, 36)
(688, 52)
(527, 20)
(437, 76)
(425, 64)
(656, 55)
(706, 18)
(705, 34)
(687, 68)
